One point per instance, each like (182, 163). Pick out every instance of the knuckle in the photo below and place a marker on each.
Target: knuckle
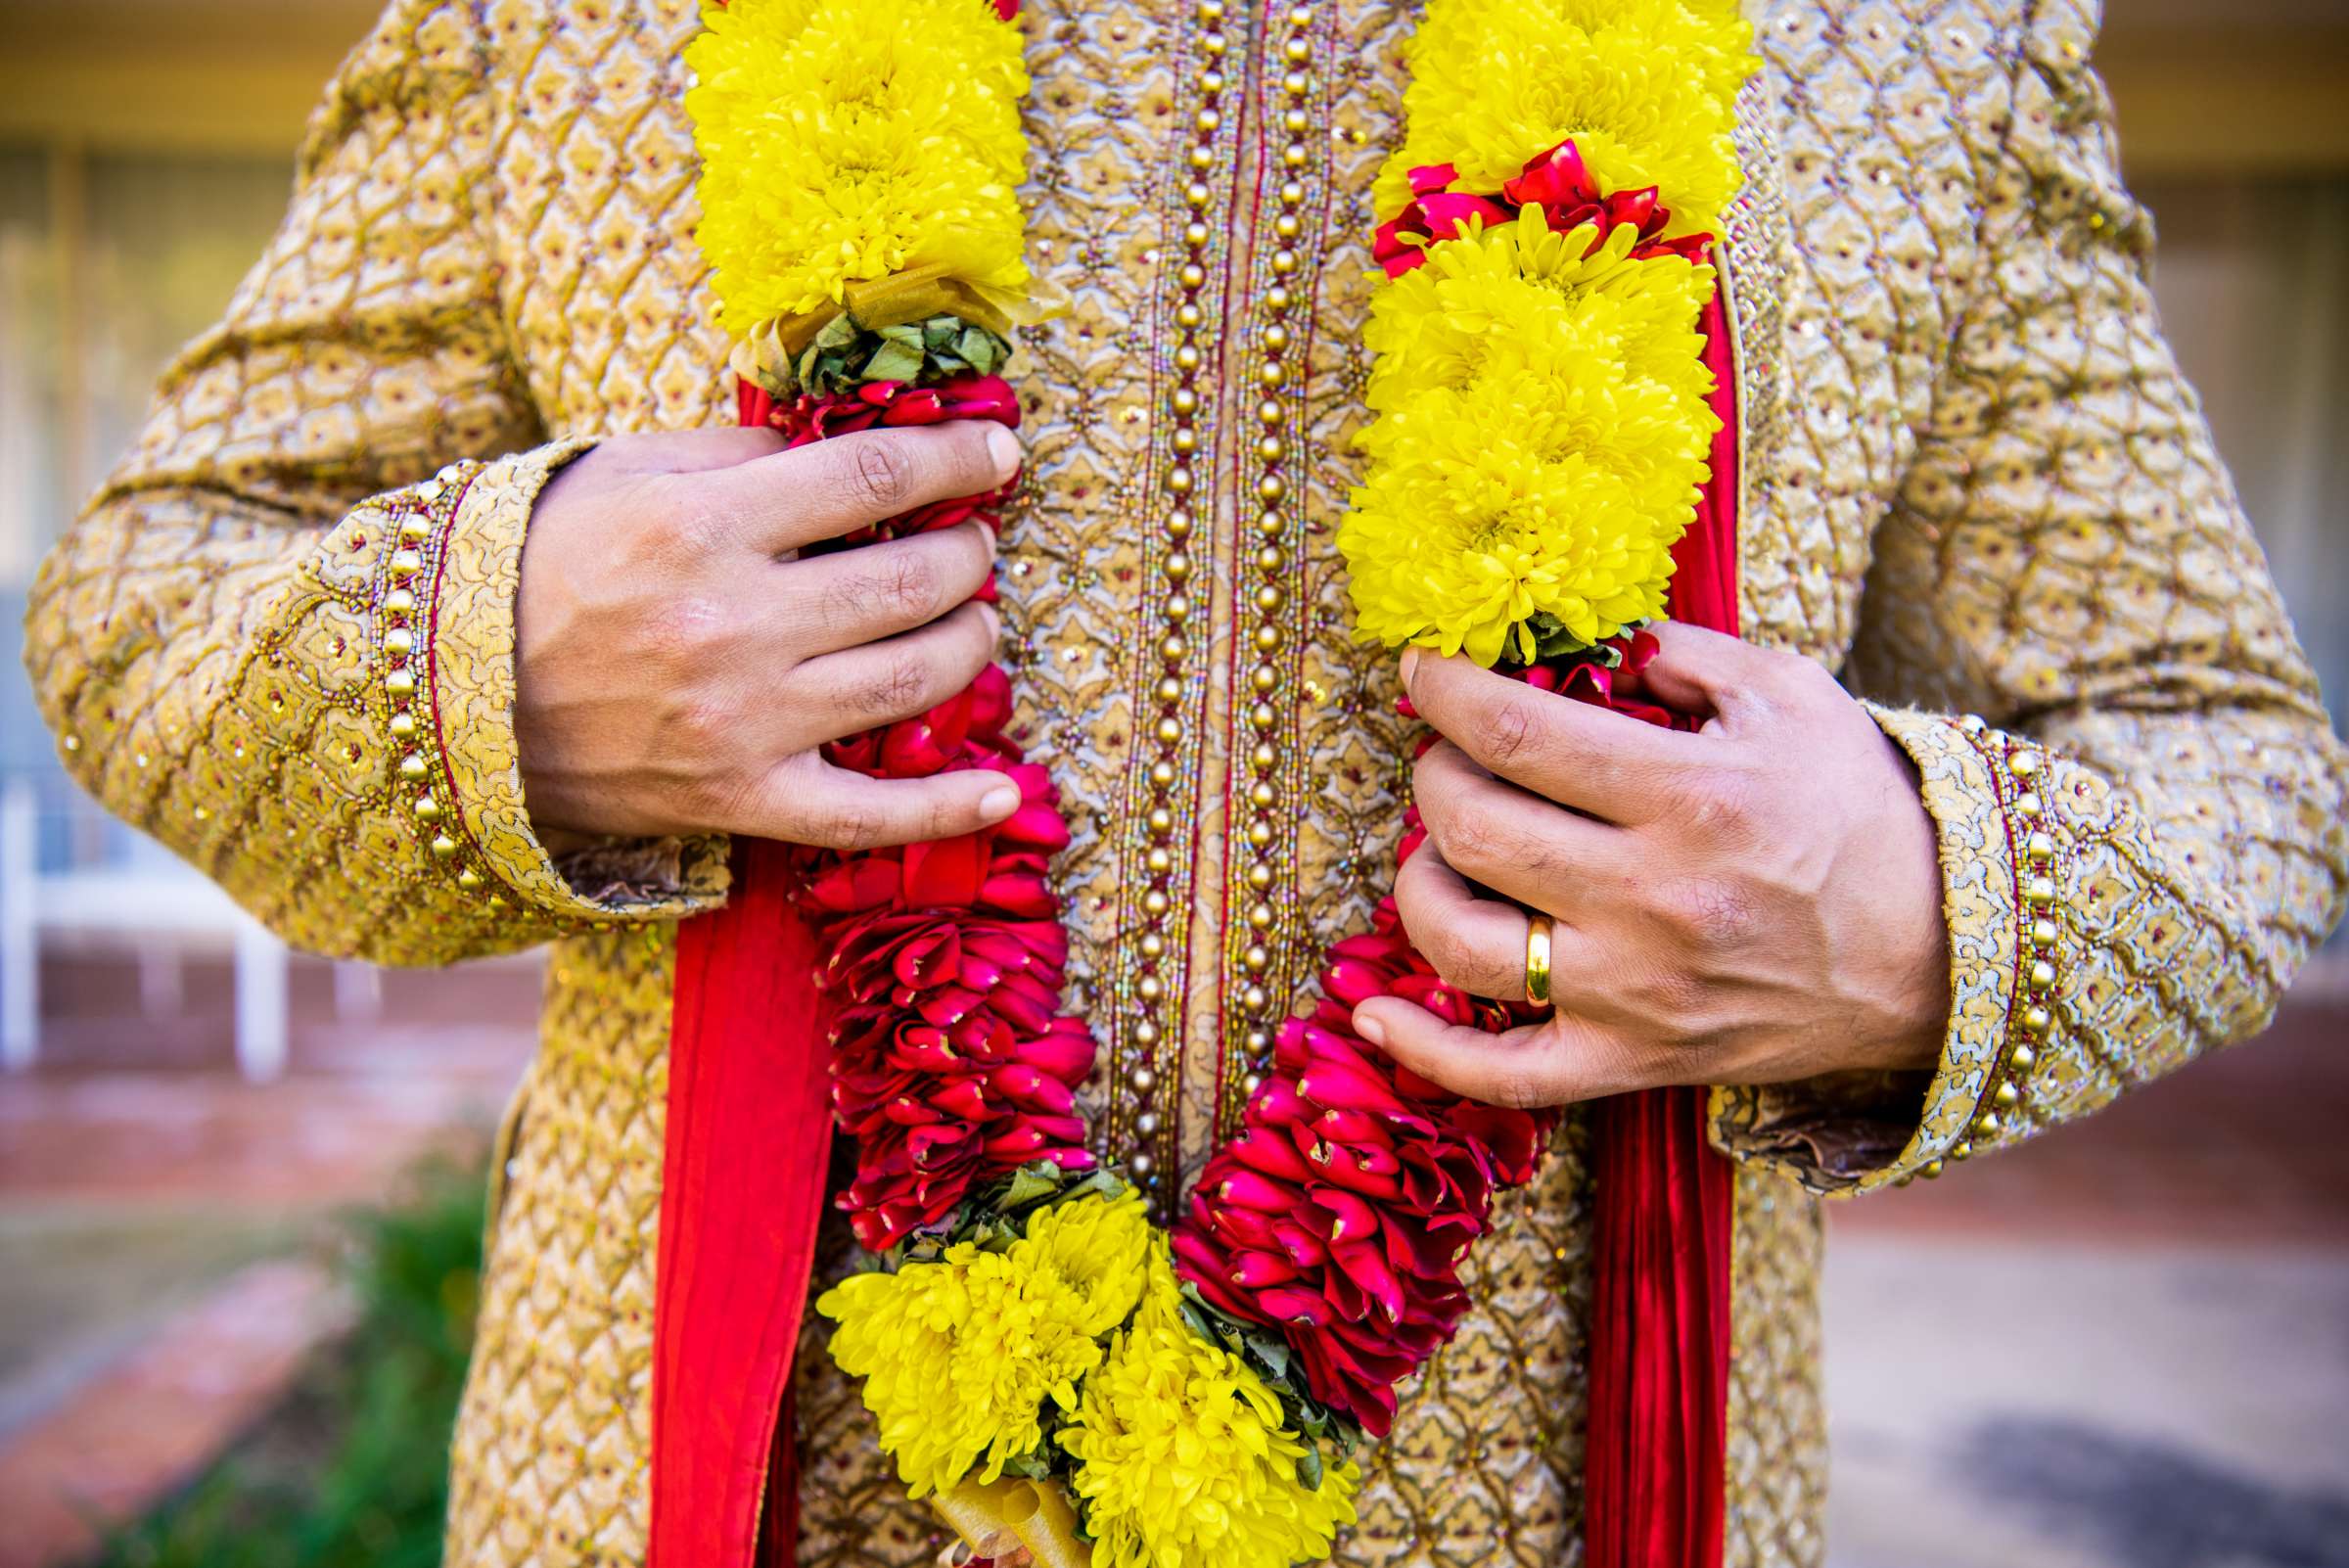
(1433, 938)
(706, 723)
(1472, 842)
(685, 519)
(684, 632)
(1508, 730)
(1454, 963)
(899, 688)
(849, 825)
(851, 598)
(946, 817)
(1709, 912)
(902, 585)
(700, 530)
(914, 584)
(882, 474)
(1722, 802)
(961, 454)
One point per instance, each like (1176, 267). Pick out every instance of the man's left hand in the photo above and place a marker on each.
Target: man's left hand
(1754, 901)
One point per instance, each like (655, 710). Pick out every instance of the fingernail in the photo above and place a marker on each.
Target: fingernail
(1369, 1027)
(992, 616)
(1004, 447)
(1410, 662)
(998, 802)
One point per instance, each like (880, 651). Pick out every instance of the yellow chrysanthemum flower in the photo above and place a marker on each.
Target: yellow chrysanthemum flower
(958, 1355)
(1184, 1460)
(1099, 1246)
(1540, 438)
(843, 141)
(1646, 88)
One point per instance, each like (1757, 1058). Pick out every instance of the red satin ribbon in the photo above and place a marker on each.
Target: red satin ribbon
(749, 1135)
(1660, 1311)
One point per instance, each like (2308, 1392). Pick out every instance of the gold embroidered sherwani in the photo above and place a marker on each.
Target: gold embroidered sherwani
(1974, 482)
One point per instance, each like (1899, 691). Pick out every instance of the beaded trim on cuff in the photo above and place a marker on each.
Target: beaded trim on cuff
(2016, 768)
(402, 594)
(2004, 859)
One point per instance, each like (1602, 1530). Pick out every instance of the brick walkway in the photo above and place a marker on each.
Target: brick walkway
(158, 1217)
(158, 1415)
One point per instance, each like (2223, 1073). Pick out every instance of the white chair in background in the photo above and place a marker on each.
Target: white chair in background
(161, 908)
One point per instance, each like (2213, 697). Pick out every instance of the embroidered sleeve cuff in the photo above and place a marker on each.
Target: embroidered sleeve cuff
(2004, 874)
(445, 613)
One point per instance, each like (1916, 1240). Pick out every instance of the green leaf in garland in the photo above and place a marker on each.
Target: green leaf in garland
(894, 361)
(837, 333)
(1031, 1465)
(1309, 1468)
(983, 350)
(1193, 1319)
(1553, 644)
(1030, 1183)
(1272, 1351)
(1101, 1183)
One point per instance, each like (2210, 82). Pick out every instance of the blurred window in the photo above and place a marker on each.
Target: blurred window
(109, 263)
(2251, 275)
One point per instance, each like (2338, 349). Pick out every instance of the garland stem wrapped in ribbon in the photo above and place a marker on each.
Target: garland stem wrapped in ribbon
(1065, 1380)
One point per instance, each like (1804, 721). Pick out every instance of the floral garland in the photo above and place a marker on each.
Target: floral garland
(869, 285)
(1028, 1337)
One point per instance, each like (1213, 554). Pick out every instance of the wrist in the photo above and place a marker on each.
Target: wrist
(473, 605)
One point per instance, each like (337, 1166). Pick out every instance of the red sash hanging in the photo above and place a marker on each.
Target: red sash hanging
(1653, 1473)
(749, 1135)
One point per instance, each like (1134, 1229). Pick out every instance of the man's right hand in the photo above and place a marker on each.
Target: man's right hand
(678, 665)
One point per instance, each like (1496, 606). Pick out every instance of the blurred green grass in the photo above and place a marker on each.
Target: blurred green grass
(350, 1471)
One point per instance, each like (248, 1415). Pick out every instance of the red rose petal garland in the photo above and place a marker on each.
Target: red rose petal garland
(952, 1063)
(1339, 1213)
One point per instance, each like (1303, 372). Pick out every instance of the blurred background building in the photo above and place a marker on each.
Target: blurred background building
(2137, 1322)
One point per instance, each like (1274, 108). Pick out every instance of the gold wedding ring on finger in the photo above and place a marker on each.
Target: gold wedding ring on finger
(1536, 959)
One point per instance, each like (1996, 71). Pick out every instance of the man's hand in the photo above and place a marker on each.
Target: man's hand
(678, 666)
(1754, 902)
